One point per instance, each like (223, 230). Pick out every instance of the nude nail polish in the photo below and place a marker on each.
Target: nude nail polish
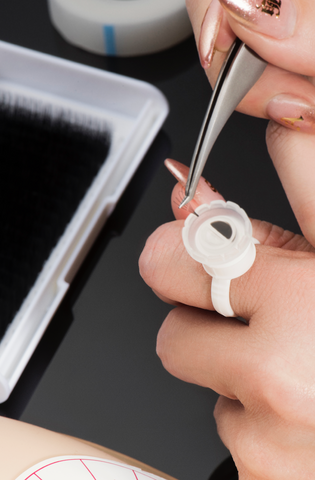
(275, 18)
(205, 192)
(209, 32)
(292, 112)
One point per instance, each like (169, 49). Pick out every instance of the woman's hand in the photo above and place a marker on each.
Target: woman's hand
(285, 92)
(263, 371)
(281, 31)
(284, 37)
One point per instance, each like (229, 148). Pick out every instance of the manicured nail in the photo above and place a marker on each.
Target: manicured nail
(205, 192)
(292, 112)
(276, 18)
(209, 32)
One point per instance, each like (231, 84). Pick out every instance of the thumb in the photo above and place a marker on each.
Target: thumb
(293, 154)
(168, 269)
(277, 30)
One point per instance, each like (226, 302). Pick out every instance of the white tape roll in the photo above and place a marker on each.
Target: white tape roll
(121, 27)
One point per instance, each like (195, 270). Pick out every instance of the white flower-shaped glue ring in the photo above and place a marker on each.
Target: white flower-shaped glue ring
(219, 236)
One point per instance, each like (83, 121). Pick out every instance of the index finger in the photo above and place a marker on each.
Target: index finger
(282, 32)
(284, 55)
(192, 345)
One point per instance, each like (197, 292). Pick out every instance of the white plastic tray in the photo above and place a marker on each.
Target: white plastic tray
(135, 111)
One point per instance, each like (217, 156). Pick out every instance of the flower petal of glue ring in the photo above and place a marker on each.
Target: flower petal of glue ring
(219, 236)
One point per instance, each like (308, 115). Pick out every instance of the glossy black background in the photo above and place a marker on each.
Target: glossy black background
(95, 374)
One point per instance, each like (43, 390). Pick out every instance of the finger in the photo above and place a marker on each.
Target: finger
(273, 236)
(262, 444)
(242, 438)
(278, 31)
(215, 34)
(293, 155)
(165, 299)
(265, 232)
(168, 269)
(192, 345)
(281, 32)
(228, 414)
(222, 354)
(205, 192)
(293, 88)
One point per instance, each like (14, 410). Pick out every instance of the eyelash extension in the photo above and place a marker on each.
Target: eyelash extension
(188, 208)
(48, 164)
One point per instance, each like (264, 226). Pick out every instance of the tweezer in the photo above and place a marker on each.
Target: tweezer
(240, 71)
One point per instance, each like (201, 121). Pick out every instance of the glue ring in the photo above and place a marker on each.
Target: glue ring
(121, 27)
(219, 236)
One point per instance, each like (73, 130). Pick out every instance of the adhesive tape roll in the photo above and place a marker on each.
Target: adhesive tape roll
(121, 27)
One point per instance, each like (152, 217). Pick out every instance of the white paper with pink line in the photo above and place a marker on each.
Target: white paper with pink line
(76, 467)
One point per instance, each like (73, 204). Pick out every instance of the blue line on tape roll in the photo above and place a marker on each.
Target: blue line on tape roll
(109, 39)
(122, 28)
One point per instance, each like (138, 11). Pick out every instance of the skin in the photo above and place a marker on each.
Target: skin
(23, 445)
(263, 371)
(291, 71)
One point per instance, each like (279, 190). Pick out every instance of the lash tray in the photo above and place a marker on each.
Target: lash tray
(132, 112)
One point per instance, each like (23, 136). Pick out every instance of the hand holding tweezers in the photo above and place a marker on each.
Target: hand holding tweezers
(240, 71)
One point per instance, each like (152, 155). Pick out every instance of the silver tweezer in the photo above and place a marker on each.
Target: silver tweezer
(240, 71)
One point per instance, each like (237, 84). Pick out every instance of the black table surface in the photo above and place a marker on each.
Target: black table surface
(95, 374)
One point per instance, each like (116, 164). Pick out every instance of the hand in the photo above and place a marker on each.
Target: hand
(263, 371)
(285, 92)
(284, 37)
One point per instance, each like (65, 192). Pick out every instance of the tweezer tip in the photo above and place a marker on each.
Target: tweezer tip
(185, 201)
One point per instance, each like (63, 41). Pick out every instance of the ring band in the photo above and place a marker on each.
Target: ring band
(220, 296)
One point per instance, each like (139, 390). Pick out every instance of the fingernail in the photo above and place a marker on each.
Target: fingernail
(292, 112)
(205, 192)
(209, 32)
(276, 18)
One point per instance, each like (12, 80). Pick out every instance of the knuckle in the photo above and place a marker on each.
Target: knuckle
(240, 432)
(165, 340)
(280, 283)
(172, 346)
(287, 394)
(275, 236)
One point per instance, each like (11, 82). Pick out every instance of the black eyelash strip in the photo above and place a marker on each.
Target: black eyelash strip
(47, 165)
